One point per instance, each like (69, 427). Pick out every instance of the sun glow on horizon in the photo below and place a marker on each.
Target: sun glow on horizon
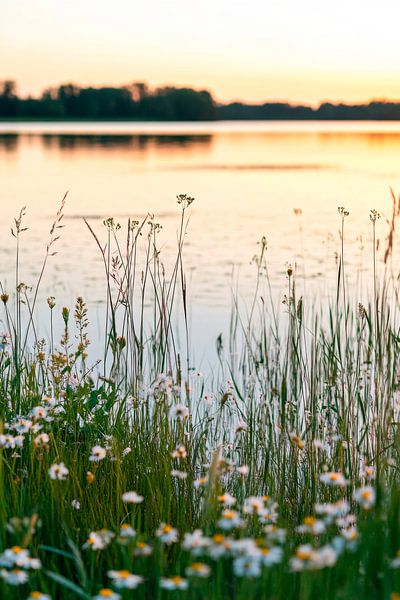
(259, 51)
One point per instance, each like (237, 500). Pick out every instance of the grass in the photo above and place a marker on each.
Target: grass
(285, 459)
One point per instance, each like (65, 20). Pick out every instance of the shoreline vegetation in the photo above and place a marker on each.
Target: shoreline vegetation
(276, 477)
(138, 102)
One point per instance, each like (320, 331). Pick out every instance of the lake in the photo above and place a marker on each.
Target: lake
(247, 179)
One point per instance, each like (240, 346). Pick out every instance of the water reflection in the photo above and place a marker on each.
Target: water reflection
(66, 141)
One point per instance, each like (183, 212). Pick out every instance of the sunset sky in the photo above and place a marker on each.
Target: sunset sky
(252, 50)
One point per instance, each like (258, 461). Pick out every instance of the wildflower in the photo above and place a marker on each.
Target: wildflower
(179, 412)
(365, 496)
(230, 519)
(98, 540)
(90, 477)
(179, 474)
(195, 542)
(179, 452)
(76, 504)
(243, 470)
(15, 556)
(200, 482)
(126, 451)
(173, 583)
(270, 556)
(306, 558)
(253, 505)
(58, 471)
(23, 425)
(198, 569)
(227, 500)
(369, 472)
(332, 511)
(269, 514)
(275, 534)
(14, 577)
(9, 441)
(296, 440)
(98, 453)
(220, 545)
(241, 427)
(49, 401)
(125, 579)
(38, 412)
(208, 399)
(346, 521)
(132, 498)
(126, 531)
(41, 440)
(333, 478)
(311, 525)
(347, 540)
(38, 596)
(167, 533)
(349, 534)
(142, 549)
(247, 566)
(107, 593)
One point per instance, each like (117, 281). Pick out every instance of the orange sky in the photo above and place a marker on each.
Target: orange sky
(296, 50)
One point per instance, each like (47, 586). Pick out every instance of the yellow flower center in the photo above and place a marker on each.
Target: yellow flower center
(106, 593)
(303, 554)
(218, 538)
(124, 574)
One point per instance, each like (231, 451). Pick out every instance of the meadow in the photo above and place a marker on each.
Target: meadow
(134, 475)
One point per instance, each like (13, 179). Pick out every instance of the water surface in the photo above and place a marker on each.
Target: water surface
(247, 178)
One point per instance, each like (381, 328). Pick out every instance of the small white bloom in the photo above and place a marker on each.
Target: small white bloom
(333, 478)
(58, 471)
(365, 496)
(247, 566)
(132, 498)
(98, 453)
(198, 569)
(126, 531)
(125, 579)
(179, 474)
(179, 412)
(173, 583)
(108, 594)
(167, 533)
(14, 577)
(230, 519)
(195, 542)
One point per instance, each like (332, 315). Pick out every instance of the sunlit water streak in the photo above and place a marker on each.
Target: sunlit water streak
(247, 179)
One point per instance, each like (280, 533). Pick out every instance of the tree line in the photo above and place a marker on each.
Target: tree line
(138, 102)
(135, 101)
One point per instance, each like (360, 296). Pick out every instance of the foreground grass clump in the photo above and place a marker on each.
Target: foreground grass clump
(275, 478)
